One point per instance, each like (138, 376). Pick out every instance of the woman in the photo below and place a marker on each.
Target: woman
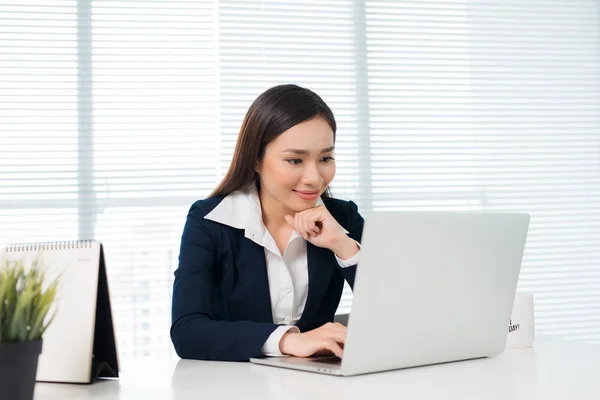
(263, 259)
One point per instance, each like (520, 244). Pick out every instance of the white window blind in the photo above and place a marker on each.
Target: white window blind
(116, 115)
(154, 149)
(493, 105)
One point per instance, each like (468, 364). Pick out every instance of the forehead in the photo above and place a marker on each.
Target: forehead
(314, 134)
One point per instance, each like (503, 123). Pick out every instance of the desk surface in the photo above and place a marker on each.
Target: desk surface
(552, 369)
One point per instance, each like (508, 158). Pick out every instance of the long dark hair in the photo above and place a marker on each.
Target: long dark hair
(273, 112)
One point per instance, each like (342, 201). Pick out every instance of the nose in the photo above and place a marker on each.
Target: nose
(311, 176)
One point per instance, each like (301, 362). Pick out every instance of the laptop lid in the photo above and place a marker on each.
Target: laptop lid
(433, 287)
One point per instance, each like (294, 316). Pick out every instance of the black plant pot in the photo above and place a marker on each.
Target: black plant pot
(18, 368)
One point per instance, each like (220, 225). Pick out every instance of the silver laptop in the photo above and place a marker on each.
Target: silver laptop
(430, 288)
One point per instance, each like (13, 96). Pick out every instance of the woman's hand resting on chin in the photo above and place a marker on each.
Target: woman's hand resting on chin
(318, 227)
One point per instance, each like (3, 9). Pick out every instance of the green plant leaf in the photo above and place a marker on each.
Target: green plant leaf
(24, 304)
(37, 320)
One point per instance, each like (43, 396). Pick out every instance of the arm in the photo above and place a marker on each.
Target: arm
(322, 229)
(355, 229)
(195, 332)
(345, 245)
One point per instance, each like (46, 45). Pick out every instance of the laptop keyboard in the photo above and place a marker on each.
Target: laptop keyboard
(328, 360)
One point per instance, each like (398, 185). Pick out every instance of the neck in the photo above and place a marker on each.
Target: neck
(273, 212)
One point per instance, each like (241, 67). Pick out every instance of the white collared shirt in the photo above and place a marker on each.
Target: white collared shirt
(287, 273)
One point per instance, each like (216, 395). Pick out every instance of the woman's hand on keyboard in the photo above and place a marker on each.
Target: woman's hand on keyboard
(329, 338)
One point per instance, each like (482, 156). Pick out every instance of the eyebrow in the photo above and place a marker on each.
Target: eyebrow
(297, 151)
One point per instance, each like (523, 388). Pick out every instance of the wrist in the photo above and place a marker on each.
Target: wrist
(345, 247)
(284, 343)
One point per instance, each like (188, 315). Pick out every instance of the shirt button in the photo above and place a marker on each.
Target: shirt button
(288, 289)
(287, 320)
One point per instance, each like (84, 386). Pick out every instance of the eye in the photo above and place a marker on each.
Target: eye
(327, 159)
(294, 161)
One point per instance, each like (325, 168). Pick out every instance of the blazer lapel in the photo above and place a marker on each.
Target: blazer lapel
(320, 268)
(252, 267)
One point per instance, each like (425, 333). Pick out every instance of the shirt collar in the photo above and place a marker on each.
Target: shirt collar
(241, 209)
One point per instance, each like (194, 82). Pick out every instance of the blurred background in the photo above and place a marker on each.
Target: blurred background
(115, 116)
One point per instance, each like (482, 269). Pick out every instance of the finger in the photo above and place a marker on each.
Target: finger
(318, 225)
(312, 226)
(318, 217)
(333, 331)
(335, 326)
(310, 219)
(303, 225)
(332, 346)
(339, 337)
(296, 223)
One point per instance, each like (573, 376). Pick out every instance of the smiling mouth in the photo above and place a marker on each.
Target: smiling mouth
(307, 195)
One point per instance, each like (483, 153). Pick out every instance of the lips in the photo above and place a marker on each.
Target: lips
(307, 195)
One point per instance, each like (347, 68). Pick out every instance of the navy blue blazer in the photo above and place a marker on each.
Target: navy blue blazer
(221, 308)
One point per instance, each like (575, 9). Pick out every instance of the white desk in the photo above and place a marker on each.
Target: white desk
(552, 369)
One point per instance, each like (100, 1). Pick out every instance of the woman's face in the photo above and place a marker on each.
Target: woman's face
(298, 166)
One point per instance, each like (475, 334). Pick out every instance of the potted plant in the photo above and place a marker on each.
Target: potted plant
(25, 300)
